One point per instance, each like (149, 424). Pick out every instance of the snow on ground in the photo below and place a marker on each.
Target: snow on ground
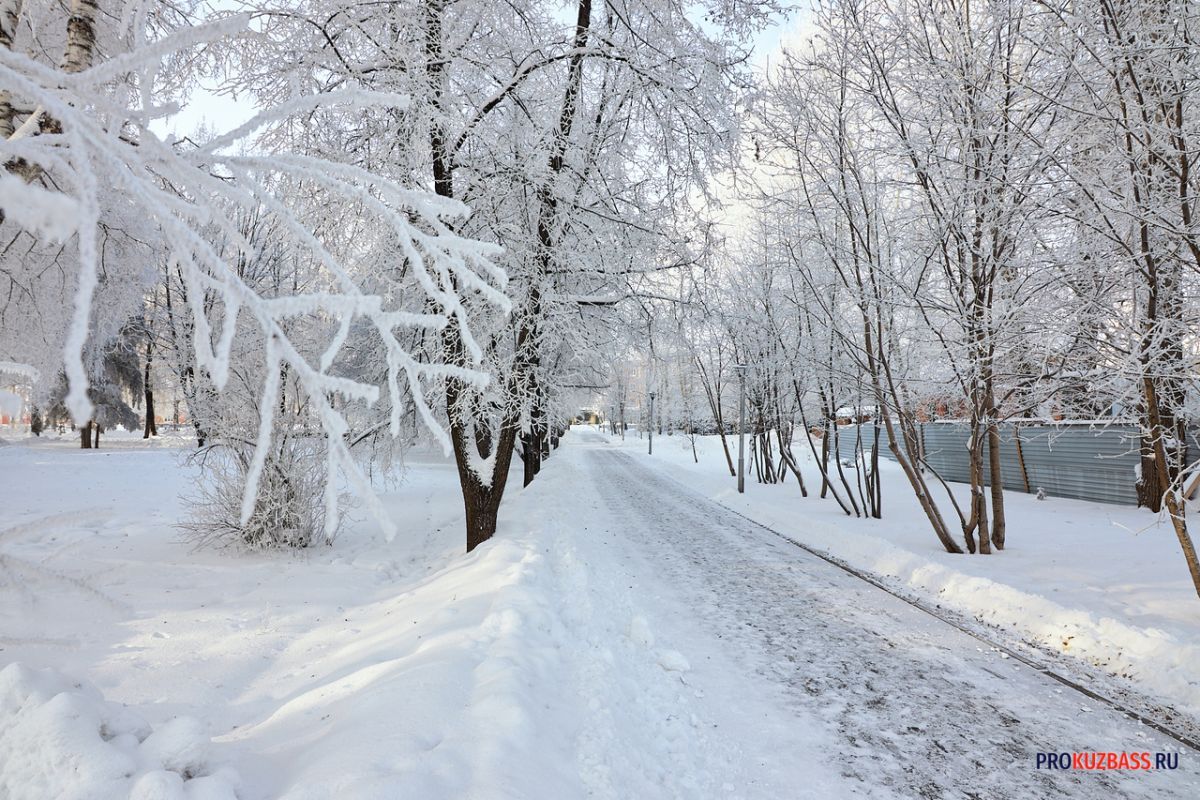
(60, 739)
(623, 637)
(367, 669)
(1104, 584)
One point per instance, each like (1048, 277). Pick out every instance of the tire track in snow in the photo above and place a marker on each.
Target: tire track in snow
(33, 580)
(53, 520)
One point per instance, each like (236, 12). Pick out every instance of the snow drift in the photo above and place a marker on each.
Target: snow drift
(59, 738)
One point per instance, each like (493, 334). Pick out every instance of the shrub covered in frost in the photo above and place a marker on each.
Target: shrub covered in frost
(288, 509)
(289, 506)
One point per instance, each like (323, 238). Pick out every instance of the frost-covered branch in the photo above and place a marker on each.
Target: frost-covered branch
(101, 157)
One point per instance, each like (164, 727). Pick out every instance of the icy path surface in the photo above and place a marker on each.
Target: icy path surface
(898, 703)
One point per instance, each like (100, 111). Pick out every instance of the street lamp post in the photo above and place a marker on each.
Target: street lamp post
(650, 429)
(741, 371)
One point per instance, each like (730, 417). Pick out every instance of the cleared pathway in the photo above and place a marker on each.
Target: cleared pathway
(914, 707)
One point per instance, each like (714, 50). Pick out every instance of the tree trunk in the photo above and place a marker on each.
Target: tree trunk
(151, 424)
(482, 508)
(1021, 458)
(533, 450)
(998, 522)
(823, 460)
(81, 36)
(879, 369)
(712, 393)
(77, 57)
(878, 505)
(481, 496)
(85, 436)
(10, 13)
(1175, 509)
(789, 460)
(979, 523)
(531, 457)
(1171, 496)
(480, 501)
(836, 451)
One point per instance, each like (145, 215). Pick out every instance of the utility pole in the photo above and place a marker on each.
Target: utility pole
(650, 429)
(741, 371)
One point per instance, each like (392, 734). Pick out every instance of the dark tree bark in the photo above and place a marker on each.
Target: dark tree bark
(712, 392)
(480, 501)
(531, 456)
(151, 424)
(532, 446)
(999, 525)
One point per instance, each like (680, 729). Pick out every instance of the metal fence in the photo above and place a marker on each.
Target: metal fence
(1082, 461)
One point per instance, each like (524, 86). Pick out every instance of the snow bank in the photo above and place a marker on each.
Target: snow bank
(1156, 659)
(60, 739)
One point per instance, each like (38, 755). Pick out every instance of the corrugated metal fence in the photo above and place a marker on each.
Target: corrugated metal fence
(1085, 462)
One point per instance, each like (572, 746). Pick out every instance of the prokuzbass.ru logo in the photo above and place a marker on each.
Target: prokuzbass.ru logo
(1109, 760)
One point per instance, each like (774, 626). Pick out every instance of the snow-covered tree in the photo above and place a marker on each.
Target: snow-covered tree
(573, 141)
(1128, 158)
(86, 172)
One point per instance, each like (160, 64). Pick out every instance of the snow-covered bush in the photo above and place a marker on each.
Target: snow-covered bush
(59, 738)
(289, 508)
